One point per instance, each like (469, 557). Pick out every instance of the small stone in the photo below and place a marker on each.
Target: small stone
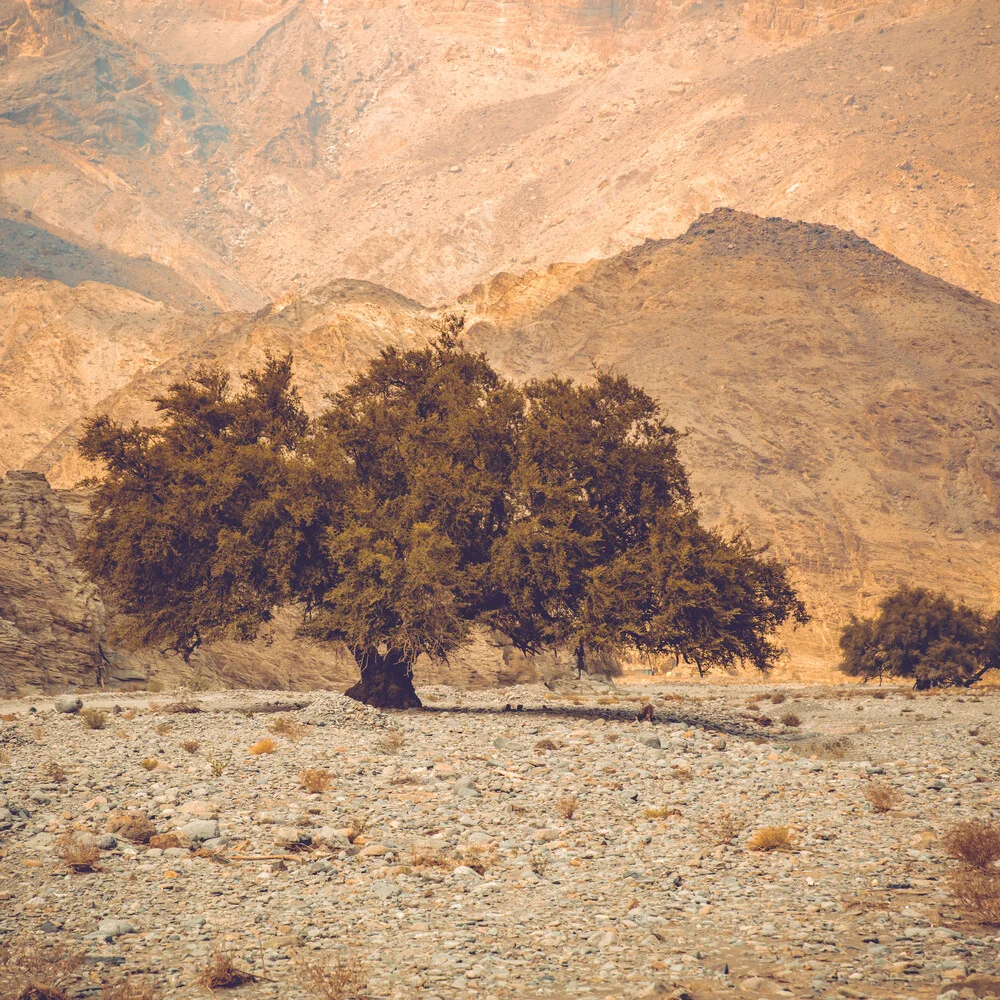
(68, 704)
(200, 830)
(112, 928)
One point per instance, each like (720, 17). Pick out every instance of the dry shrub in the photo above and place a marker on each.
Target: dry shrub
(149, 763)
(93, 718)
(130, 988)
(162, 728)
(882, 796)
(30, 970)
(332, 978)
(289, 728)
(764, 720)
(55, 772)
(183, 706)
(770, 838)
(978, 891)
(164, 841)
(315, 779)
(356, 826)
(777, 698)
(222, 972)
(392, 742)
(263, 746)
(78, 851)
(567, 805)
(219, 764)
(791, 719)
(134, 826)
(719, 829)
(546, 744)
(431, 859)
(975, 842)
(660, 812)
(480, 858)
(191, 746)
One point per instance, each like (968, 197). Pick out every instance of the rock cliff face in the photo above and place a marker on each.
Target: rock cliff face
(784, 19)
(51, 618)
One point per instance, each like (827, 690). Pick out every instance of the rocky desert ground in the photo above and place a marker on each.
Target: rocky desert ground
(557, 849)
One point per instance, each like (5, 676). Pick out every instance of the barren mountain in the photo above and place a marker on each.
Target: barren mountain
(842, 405)
(259, 147)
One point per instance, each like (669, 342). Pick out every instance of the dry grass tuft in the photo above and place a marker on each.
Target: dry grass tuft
(978, 891)
(974, 842)
(720, 829)
(770, 838)
(778, 698)
(222, 972)
(130, 988)
(93, 718)
(880, 695)
(134, 826)
(480, 858)
(567, 805)
(263, 746)
(431, 859)
(546, 744)
(791, 720)
(333, 978)
(149, 763)
(882, 796)
(182, 707)
(55, 772)
(79, 852)
(191, 746)
(392, 742)
(285, 726)
(30, 970)
(315, 779)
(661, 812)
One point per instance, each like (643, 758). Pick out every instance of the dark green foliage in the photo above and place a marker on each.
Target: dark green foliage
(924, 636)
(431, 495)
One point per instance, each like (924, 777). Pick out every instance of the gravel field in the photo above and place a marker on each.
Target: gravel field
(564, 850)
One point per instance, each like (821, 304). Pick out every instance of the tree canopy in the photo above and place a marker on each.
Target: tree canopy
(430, 495)
(923, 636)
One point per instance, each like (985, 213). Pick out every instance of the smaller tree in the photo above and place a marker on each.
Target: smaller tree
(922, 635)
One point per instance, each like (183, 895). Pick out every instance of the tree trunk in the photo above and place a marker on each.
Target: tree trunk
(386, 681)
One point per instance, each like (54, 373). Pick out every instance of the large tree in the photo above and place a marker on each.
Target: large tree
(431, 495)
(924, 637)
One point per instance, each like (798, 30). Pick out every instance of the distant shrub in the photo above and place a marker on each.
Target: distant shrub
(182, 707)
(770, 838)
(975, 842)
(923, 636)
(263, 746)
(791, 720)
(93, 718)
(191, 746)
(356, 826)
(882, 797)
(764, 720)
(315, 779)
(54, 771)
(219, 764)
(778, 698)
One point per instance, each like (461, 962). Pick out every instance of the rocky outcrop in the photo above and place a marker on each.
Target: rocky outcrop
(51, 618)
